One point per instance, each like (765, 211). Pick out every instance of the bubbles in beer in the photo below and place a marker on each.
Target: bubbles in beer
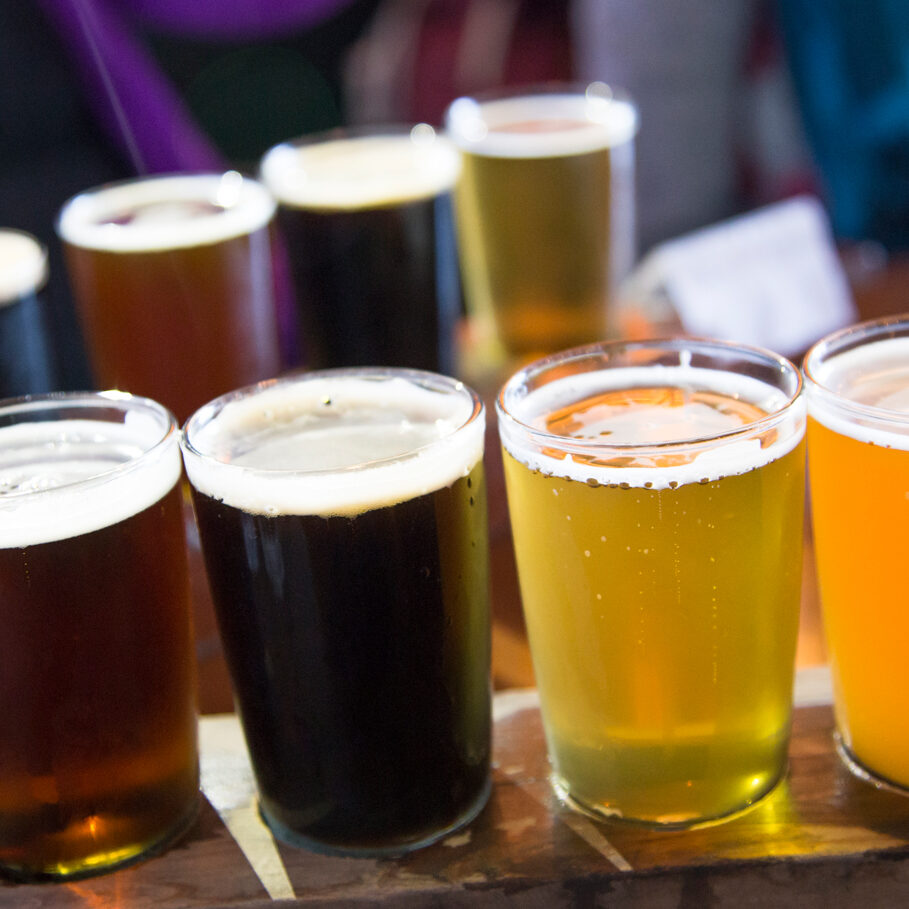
(646, 427)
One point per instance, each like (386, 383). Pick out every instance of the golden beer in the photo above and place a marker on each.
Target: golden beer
(657, 521)
(857, 384)
(544, 211)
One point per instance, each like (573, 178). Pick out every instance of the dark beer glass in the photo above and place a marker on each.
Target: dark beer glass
(367, 221)
(98, 757)
(343, 523)
(173, 280)
(25, 357)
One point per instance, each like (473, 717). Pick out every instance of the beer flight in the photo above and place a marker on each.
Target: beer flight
(655, 488)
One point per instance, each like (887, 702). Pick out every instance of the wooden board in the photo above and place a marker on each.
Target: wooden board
(823, 839)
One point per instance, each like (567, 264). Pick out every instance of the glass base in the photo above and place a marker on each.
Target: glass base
(671, 822)
(110, 860)
(866, 774)
(398, 848)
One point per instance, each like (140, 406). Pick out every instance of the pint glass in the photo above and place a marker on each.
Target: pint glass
(367, 224)
(25, 356)
(173, 281)
(857, 388)
(343, 525)
(98, 762)
(545, 213)
(656, 499)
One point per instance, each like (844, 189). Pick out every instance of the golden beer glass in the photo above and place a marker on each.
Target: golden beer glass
(98, 754)
(544, 212)
(857, 389)
(656, 492)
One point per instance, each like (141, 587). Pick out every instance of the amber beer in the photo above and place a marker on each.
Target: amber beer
(545, 213)
(343, 523)
(857, 383)
(367, 223)
(656, 496)
(98, 761)
(173, 281)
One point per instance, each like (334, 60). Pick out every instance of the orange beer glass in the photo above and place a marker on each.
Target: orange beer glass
(857, 383)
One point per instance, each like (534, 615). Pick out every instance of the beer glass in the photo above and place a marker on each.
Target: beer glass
(367, 225)
(857, 388)
(98, 761)
(173, 281)
(343, 524)
(545, 213)
(656, 498)
(25, 356)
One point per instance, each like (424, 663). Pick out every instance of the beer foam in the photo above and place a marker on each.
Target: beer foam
(23, 265)
(363, 171)
(332, 445)
(102, 218)
(541, 126)
(863, 393)
(740, 453)
(65, 478)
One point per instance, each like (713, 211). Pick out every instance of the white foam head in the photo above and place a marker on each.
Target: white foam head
(63, 478)
(166, 212)
(23, 265)
(543, 125)
(368, 171)
(334, 443)
(718, 449)
(863, 392)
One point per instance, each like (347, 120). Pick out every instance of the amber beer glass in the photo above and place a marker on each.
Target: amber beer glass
(98, 762)
(343, 524)
(857, 387)
(367, 224)
(173, 280)
(545, 213)
(656, 499)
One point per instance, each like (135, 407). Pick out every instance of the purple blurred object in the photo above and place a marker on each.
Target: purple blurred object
(134, 102)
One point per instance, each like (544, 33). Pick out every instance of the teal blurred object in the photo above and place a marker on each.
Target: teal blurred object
(850, 65)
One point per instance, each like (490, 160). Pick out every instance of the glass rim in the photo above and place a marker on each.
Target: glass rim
(210, 411)
(842, 341)
(92, 194)
(111, 399)
(604, 350)
(547, 88)
(390, 128)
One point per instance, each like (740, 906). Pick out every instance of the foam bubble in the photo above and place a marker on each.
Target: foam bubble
(23, 265)
(741, 452)
(229, 206)
(61, 479)
(570, 124)
(863, 393)
(363, 171)
(333, 445)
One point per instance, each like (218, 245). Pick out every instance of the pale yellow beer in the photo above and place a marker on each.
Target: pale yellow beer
(545, 213)
(657, 521)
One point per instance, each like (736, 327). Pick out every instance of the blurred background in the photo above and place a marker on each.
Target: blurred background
(741, 103)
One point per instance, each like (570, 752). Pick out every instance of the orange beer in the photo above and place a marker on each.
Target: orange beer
(858, 394)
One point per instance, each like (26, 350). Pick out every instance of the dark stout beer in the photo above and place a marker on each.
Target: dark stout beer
(97, 714)
(173, 281)
(368, 226)
(352, 598)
